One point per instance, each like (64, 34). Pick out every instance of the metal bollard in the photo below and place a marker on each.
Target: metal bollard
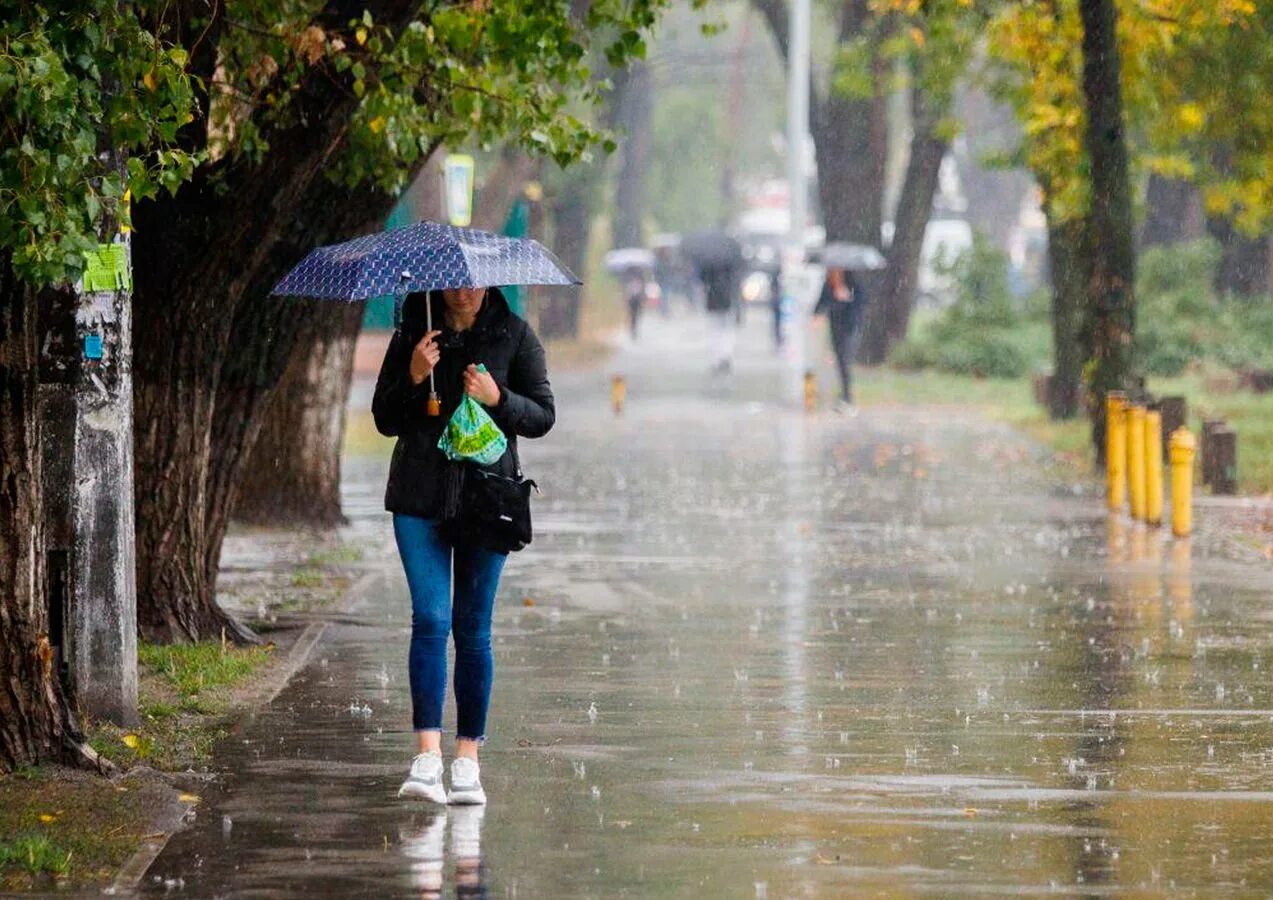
(1135, 418)
(1115, 450)
(1153, 467)
(618, 393)
(1182, 446)
(810, 390)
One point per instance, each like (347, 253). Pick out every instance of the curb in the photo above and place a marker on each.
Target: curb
(130, 875)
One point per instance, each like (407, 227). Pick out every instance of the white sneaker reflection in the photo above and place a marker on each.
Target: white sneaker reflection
(466, 849)
(425, 848)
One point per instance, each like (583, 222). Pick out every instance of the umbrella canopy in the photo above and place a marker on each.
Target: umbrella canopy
(711, 249)
(626, 258)
(855, 257)
(425, 256)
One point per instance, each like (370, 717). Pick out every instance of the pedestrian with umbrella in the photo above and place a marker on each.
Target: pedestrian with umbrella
(717, 258)
(843, 301)
(455, 339)
(632, 266)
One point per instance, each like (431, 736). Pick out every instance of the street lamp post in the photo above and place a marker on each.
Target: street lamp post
(795, 274)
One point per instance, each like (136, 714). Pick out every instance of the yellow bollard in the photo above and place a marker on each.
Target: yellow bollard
(1181, 449)
(1115, 450)
(810, 390)
(1153, 467)
(1135, 418)
(618, 393)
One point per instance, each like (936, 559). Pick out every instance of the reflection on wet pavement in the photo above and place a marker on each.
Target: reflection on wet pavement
(753, 653)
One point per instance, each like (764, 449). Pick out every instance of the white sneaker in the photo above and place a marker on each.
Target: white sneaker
(425, 779)
(466, 788)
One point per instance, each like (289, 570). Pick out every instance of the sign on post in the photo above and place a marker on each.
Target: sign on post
(457, 180)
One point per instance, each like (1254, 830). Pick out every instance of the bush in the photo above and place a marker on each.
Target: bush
(1180, 320)
(982, 332)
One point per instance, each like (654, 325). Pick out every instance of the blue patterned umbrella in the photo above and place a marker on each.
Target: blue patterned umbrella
(421, 257)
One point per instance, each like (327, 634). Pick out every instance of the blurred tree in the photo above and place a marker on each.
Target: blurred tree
(930, 44)
(1035, 64)
(1112, 304)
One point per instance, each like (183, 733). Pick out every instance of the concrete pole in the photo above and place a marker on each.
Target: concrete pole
(86, 400)
(798, 121)
(103, 563)
(794, 269)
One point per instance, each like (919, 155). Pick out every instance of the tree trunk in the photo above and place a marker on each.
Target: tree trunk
(1245, 268)
(635, 104)
(888, 317)
(1173, 212)
(506, 183)
(35, 720)
(850, 134)
(995, 195)
(850, 141)
(205, 262)
(1112, 306)
(1068, 262)
(292, 477)
(572, 217)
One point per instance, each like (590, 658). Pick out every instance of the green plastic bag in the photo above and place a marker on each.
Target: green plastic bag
(472, 434)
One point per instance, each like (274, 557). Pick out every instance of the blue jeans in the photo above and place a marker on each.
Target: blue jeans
(427, 560)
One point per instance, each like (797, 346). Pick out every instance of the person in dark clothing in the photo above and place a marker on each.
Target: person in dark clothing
(775, 305)
(472, 326)
(843, 301)
(721, 284)
(634, 292)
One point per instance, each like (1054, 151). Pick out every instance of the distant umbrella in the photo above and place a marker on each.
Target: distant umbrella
(425, 256)
(626, 258)
(854, 257)
(711, 249)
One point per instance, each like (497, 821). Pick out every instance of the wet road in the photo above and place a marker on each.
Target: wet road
(754, 653)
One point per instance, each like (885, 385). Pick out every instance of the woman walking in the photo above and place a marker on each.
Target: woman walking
(842, 302)
(476, 328)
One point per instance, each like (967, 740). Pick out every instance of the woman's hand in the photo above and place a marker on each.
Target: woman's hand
(424, 357)
(481, 386)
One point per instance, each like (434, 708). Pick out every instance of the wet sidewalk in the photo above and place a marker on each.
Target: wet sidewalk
(755, 653)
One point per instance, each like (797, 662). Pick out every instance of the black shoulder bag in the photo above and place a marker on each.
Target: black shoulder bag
(484, 509)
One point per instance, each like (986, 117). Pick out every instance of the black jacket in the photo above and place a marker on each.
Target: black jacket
(511, 353)
(845, 315)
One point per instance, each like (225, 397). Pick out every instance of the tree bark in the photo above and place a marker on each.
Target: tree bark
(1068, 262)
(1245, 268)
(1111, 301)
(205, 261)
(995, 195)
(1173, 212)
(506, 183)
(635, 104)
(850, 134)
(36, 722)
(292, 477)
(888, 317)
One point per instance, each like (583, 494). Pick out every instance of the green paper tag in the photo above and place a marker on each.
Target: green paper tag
(107, 269)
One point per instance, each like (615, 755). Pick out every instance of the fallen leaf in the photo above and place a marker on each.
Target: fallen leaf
(130, 741)
(526, 601)
(189, 798)
(46, 818)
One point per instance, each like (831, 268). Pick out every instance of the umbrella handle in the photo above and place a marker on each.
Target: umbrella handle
(434, 405)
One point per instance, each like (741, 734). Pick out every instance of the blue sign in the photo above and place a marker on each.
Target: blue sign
(92, 346)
